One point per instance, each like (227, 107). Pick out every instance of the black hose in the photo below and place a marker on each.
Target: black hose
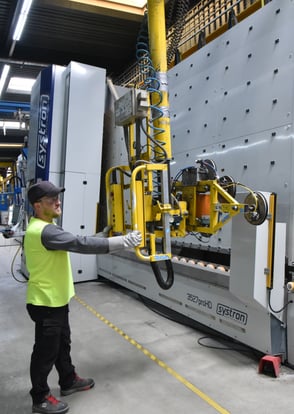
(164, 284)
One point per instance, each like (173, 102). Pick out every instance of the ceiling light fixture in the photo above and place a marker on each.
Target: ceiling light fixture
(12, 125)
(10, 145)
(22, 19)
(4, 75)
(20, 85)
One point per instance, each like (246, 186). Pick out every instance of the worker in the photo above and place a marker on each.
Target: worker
(50, 288)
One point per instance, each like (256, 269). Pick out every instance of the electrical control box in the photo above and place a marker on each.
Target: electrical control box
(131, 106)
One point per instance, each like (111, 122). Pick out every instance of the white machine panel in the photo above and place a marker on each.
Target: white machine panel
(80, 213)
(83, 133)
(249, 265)
(85, 100)
(57, 120)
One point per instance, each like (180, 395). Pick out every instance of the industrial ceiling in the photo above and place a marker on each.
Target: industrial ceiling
(99, 33)
(96, 32)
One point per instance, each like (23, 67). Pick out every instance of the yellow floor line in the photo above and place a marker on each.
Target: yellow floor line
(162, 364)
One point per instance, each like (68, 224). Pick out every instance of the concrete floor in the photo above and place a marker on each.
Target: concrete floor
(141, 361)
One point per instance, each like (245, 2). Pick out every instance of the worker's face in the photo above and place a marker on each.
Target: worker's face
(48, 208)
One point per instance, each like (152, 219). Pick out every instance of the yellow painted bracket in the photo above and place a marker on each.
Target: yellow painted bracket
(115, 199)
(228, 206)
(271, 241)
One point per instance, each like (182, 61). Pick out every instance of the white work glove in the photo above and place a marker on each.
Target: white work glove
(132, 239)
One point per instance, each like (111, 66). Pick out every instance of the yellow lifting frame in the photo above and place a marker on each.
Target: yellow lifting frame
(139, 208)
(141, 205)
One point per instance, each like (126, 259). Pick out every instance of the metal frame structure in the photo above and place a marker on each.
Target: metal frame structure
(229, 103)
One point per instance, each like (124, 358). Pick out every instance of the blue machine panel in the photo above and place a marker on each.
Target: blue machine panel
(41, 124)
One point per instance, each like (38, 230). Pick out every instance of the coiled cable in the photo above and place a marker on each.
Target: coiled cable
(152, 85)
(179, 8)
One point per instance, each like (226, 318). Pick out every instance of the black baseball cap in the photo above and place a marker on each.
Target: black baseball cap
(43, 189)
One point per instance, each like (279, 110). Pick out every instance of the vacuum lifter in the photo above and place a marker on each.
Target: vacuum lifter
(196, 200)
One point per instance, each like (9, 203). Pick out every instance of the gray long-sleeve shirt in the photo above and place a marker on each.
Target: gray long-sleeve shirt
(53, 237)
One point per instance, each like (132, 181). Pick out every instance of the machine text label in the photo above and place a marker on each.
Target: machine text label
(231, 313)
(199, 301)
(43, 131)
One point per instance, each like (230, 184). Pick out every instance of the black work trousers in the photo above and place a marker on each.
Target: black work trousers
(52, 347)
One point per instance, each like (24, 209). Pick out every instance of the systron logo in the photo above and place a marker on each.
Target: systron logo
(43, 131)
(232, 313)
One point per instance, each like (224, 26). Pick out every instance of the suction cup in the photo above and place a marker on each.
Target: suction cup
(257, 208)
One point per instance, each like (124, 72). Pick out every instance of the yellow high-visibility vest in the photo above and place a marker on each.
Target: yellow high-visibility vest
(50, 277)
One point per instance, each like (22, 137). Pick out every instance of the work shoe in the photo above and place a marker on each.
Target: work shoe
(79, 384)
(50, 406)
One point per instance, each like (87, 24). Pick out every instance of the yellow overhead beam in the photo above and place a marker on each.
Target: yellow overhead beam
(120, 9)
(121, 6)
(113, 6)
(6, 164)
